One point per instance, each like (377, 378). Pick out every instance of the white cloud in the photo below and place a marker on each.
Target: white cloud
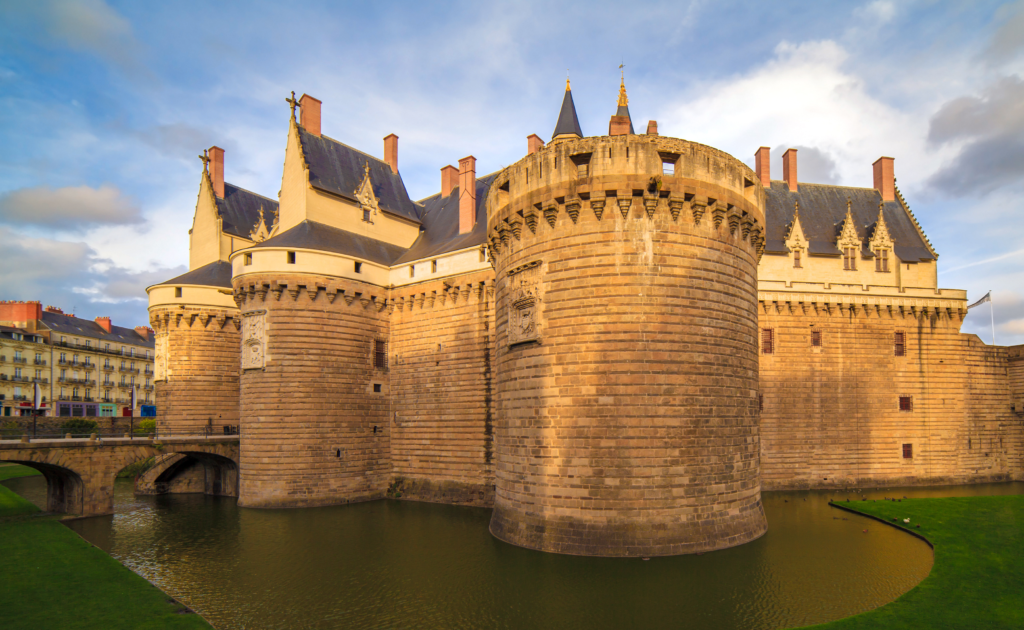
(71, 208)
(877, 12)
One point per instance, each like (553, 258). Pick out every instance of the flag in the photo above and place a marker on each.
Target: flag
(987, 298)
(37, 398)
(135, 393)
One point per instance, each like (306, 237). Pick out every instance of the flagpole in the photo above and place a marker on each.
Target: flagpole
(992, 314)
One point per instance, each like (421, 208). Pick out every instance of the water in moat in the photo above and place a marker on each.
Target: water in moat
(396, 564)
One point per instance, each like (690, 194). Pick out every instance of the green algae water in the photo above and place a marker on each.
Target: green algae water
(394, 564)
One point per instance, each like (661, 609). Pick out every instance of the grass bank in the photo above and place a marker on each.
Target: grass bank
(13, 471)
(977, 580)
(51, 578)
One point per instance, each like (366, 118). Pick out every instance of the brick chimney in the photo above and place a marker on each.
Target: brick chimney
(449, 180)
(145, 332)
(789, 168)
(104, 323)
(467, 194)
(54, 309)
(885, 178)
(309, 114)
(533, 143)
(652, 127)
(217, 171)
(618, 126)
(21, 314)
(763, 167)
(391, 151)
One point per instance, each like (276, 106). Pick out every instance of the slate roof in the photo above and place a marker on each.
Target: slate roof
(338, 169)
(240, 210)
(623, 110)
(215, 274)
(567, 123)
(313, 235)
(822, 212)
(69, 325)
(440, 231)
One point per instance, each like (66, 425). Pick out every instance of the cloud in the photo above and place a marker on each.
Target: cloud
(91, 26)
(181, 140)
(1008, 39)
(990, 131)
(122, 283)
(71, 208)
(877, 12)
(813, 165)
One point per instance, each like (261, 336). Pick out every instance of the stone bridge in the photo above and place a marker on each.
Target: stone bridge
(80, 472)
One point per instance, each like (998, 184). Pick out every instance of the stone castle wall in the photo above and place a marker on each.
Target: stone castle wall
(441, 373)
(314, 430)
(626, 349)
(1015, 374)
(197, 368)
(831, 415)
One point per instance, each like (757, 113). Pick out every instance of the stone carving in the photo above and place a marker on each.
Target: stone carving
(523, 303)
(254, 340)
(160, 363)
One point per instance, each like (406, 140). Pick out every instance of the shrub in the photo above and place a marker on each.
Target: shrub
(145, 426)
(80, 427)
(137, 468)
(10, 429)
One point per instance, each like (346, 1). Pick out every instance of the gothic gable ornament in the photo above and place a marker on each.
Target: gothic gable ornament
(796, 240)
(260, 232)
(364, 193)
(848, 236)
(881, 239)
(254, 340)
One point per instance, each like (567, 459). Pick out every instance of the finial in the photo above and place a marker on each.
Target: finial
(796, 207)
(366, 168)
(205, 157)
(623, 99)
(294, 103)
(849, 205)
(567, 80)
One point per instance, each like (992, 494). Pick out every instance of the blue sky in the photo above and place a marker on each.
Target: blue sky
(104, 107)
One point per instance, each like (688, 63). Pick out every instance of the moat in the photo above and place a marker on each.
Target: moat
(404, 564)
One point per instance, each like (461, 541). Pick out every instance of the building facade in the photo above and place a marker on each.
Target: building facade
(616, 342)
(85, 368)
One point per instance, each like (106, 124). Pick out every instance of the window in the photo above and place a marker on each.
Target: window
(177, 292)
(412, 271)
(882, 260)
(908, 451)
(106, 347)
(906, 403)
(816, 338)
(668, 168)
(359, 267)
(433, 266)
(376, 388)
(291, 258)
(63, 339)
(850, 258)
(767, 341)
(796, 259)
(248, 259)
(900, 344)
(760, 402)
(88, 343)
(17, 372)
(366, 215)
(122, 354)
(380, 354)
(483, 254)
(39, 358)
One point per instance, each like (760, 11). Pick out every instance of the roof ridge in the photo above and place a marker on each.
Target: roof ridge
(348, 146)
(494, 174)
(251, 192)
(917, 226)
(782, 181)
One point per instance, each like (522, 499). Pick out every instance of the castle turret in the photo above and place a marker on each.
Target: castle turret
(626, 348)
(568, 125)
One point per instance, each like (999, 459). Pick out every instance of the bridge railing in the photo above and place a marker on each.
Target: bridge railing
(120, 436)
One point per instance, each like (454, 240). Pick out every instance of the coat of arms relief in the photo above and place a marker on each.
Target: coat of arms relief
(523, 303)
(254, 340)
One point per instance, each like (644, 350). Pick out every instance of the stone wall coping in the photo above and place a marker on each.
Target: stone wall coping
(45, 443)
(766, 287)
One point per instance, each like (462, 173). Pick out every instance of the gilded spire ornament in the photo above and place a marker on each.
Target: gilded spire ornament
(623, 99)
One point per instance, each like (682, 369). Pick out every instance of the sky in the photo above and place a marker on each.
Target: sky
(105, 106)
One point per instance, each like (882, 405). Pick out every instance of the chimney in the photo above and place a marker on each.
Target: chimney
(309, 114)
(21, 314)
(449, 180)
(618, 126)
(391, 152)
(533, 143)
(54, 309)
(145, 332)
(789, 168)
(885, 178)
(104, 323)
(467, 194)
(652, 127)
(217, 171)
(763, 166)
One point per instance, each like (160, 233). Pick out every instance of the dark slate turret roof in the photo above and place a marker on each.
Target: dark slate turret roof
(440, 232)
(70, 325)
(567, 123)
(313, 235)
(338, 169)
(240, 210)
(822, 212)
(215, 274)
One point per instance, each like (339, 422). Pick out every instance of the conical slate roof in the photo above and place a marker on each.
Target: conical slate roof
(567, 124)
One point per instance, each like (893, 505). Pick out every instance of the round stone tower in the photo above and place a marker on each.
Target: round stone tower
(314, 378)
(627, 350)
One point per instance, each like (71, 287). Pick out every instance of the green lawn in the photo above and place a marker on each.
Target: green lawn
(13, 471)
(51, 578)
(977, 580)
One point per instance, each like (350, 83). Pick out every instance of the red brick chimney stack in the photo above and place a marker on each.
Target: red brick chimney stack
(885, 178)
(54, 309)
(145, 332)
(217, 171)
(309, 114)
(789, 168)
(762, 165)
(652, 127)
(391, 151)
(21, 314)
(449, 180)
(467, 194)
(104, 323)
(533, 143)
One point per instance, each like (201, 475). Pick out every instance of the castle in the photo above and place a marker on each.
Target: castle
(616, 342)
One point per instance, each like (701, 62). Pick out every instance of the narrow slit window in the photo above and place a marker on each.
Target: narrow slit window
(248, 259)
(816, 338)
(359, 267)
(376, 389)
(433, 266)
(906, 403)
(900, 344)
(177, 292)
(767, 341)
(380, 354)
(366, 215)
(291, 258)
(412, 271)
(760, 402)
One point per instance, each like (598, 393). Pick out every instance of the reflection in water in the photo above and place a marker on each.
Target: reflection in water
(402, 564)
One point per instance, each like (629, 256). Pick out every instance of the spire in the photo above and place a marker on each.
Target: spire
(568, 124)
(623, 109)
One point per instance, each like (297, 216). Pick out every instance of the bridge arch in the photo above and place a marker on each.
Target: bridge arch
(65, 489)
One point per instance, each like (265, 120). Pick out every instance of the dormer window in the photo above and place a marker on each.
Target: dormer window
(850, 258)
(366, 215)
(882, 260)
(796, 259)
